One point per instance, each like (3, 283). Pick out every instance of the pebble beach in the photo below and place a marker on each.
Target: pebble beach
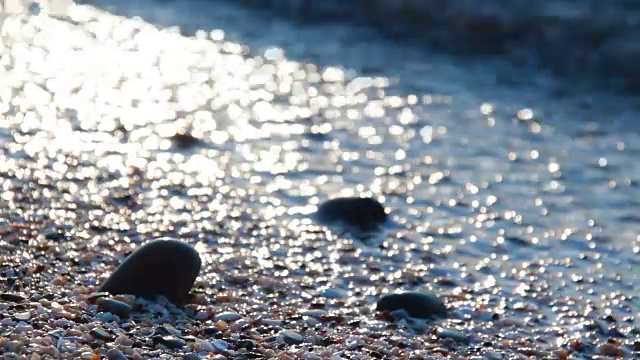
(510, 205)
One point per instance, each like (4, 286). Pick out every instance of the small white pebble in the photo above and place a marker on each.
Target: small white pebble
(86, 355)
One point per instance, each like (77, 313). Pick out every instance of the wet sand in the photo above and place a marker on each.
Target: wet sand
(515, 204)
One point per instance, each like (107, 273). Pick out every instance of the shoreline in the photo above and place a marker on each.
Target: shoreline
(590, 42)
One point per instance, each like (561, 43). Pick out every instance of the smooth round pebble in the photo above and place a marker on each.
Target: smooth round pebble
(220, 345)
(22, 316)
(314, 313)
(100, 334)
(417, 304)
(163, 267)
(291, 337)
(191, 356)
(359, 212)
(202, 345)
(246, 344)
(115, 354)
(333, 294)
(452, 334)
(172, 342)
(12, 297)
(115, 307)
(228, 317)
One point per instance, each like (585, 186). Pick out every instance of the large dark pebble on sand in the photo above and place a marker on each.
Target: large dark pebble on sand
(162, 267)
(362, 213)
(417, 304)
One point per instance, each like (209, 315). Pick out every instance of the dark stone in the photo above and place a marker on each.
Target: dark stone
(100, 334)
(54, 235)
(361, 213)
(185, 141)
(163, 267)
(170, 342)
(416, 304)
(12, 297)
(115, 354)
(191, 356)
(246, 344)
(210, 330)
(96, 296)
(115, 307)
(291, 337)
(163, 330)
(49, 296)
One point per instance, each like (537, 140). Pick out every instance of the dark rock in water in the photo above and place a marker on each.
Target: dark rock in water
(416, 304)
(115, 307)
(162, 267)
(185, 140)
(361, 213)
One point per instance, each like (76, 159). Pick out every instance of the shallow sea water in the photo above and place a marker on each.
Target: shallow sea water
(513, 197)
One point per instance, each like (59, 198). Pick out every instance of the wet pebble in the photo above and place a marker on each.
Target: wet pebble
(105, 317)
(115, 354)
(100, 334)
(314, 313)
(202, 345)
(228, 317)
(220, 345)
(458, 336)
(246, 344)
(115, 307)
(12, 297)
(291, 337)
(209, 330)
(610, 350)
(163, 267)
(417, 304)
(191, 356)
(171, 342)
(185, 140)
(359, 212)
(124, 340)
(333, 294)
